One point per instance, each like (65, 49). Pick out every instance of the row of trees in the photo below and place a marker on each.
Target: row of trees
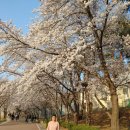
(7, 93)
(70, 48)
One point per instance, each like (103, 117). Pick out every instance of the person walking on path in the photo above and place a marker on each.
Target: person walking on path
(53, 124)
(16, 116)
(12, 116)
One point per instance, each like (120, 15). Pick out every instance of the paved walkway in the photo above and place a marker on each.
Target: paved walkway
(19, 126)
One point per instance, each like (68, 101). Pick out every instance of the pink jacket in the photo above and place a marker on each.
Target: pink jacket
(53, 125)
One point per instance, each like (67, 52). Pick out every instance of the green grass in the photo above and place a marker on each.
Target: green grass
(73, 126)
(83, 127)
(68, 125)
(1, 121)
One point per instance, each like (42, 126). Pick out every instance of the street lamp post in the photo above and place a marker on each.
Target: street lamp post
(88, 103)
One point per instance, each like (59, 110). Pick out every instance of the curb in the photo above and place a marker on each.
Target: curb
(39, 127)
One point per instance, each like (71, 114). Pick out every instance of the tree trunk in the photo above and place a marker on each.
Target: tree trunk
(111, 86)
(76, 117)
(115, 112)
(45, 112)
(89, 106)
(76, 113)
(83, 108)
(67, 114)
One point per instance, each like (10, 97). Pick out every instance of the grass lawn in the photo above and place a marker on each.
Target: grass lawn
(103, 128)
(108, 128)
(1, 121)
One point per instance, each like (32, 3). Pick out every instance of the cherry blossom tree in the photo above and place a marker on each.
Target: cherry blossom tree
(96, 34)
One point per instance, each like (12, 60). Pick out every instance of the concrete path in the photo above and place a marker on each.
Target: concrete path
(13, 125)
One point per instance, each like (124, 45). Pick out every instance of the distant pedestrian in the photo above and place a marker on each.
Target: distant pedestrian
(16, 116)
(27, 118)
(12, 116)
(32, 118)
(9, 115)
(35, 117)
